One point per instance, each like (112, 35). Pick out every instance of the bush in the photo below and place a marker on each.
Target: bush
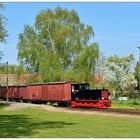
(135, 103)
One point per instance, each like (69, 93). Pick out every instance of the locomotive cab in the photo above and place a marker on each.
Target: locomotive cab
(83, 91)
(99, 94)
(79, 91)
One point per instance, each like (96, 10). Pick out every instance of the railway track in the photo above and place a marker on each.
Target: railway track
(111, 110)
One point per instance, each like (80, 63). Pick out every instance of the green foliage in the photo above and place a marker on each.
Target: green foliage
(50, 67)
(119, 74)
(2, 106)
(100, 64)
(135, 103)
(29, 49)
(128, 104)
(85, 62)
(124, 62)
(137, 71)
(3, 31)
(58, 46)
(13, 69)
(133, 93)
(33, 79)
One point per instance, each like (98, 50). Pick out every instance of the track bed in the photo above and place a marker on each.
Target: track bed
(110, 110)
(107, 111)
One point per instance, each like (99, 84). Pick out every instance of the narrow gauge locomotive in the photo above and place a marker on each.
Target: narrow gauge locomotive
(63, 93)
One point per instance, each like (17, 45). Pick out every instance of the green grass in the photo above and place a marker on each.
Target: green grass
(3, 106)
(129, 104)
(36, 123)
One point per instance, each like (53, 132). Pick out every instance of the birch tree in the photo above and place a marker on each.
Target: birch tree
(57, 45)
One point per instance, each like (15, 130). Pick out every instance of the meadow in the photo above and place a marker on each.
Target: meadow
(39, 123)
(128, 104)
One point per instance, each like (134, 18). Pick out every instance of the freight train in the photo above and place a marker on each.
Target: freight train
(64, 93)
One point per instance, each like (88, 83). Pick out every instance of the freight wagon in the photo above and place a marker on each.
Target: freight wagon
(59, 92)
(14, 92)
(63, 93)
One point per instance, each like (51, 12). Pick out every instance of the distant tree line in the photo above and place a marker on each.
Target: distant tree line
(13, 69)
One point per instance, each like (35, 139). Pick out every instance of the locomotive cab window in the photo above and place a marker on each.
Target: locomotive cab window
(79, 91)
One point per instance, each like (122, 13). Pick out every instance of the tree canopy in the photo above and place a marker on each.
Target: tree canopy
(100, 64)
(3, 31)
(137, 71)
(13, 69)
(58, 46)
(119, 73)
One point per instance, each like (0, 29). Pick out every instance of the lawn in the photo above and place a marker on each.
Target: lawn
(129, 104)
(3, 106)
(36, 123)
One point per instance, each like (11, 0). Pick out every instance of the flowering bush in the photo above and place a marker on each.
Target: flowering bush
(118, 71)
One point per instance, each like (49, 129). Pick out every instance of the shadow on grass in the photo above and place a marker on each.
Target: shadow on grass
(3, 106)
(14, 126)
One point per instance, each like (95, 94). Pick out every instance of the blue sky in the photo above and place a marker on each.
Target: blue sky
(116, 25)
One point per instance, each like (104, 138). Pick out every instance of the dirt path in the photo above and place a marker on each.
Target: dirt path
(18, 106)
